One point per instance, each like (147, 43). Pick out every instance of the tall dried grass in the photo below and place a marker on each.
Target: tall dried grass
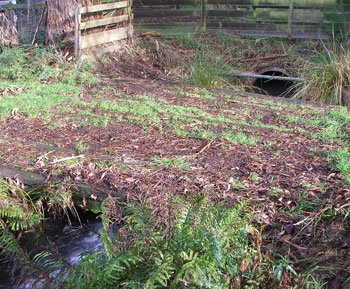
(328, 81)
(8, 29)
(60, 18)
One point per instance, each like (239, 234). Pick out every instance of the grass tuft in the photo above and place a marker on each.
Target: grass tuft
(205, 71)
(328, 81)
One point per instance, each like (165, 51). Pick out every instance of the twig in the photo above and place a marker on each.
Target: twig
(67, 159)
(204, 148)
(40, 20)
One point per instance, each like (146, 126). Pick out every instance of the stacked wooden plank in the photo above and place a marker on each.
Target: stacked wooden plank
(115, 23)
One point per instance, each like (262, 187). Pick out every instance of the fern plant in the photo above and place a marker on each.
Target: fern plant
(204, 249)
(21, 211)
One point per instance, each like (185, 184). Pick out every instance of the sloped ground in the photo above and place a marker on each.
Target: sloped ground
(149, 138)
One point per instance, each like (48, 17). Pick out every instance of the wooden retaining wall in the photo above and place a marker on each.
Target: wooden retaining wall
(114, 23)
(293, 18)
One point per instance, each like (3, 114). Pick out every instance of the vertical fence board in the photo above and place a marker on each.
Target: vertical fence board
(77, 31)
(204, 15)
(290, 18)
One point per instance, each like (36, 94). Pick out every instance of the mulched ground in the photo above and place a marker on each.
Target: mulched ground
(275, 176)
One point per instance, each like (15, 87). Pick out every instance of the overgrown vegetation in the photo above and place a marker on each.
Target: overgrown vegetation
(328, 80)
(340, 22)
(202, 58)
(206, 246)
(206, 70)
(21, 213)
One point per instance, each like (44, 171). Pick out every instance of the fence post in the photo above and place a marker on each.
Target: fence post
(29, 20)
(77, 31)
(204, 15)
(130, 28)
(290, 18)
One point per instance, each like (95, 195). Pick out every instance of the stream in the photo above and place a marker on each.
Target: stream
(70, 242)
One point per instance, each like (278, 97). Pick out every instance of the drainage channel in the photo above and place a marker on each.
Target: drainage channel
(272, 81)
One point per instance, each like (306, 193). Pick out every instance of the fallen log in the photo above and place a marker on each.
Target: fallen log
(27, 178)
(84, 196)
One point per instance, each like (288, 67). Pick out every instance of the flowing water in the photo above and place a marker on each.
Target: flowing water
(70, 242)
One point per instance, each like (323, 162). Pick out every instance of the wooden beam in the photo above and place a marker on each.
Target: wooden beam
(77, 31)
(261, 76)
(103, 37)
(104, 7)
(290, 18)
(284, 4)
(28, 178)
(103, 22)
(86, 196)
(204, 15)
(141, 13)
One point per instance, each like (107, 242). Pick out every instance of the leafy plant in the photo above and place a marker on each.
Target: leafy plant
(204, 249)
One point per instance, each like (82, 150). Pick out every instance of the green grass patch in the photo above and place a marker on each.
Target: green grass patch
(180, 162)
(36, 100)
(33, 79)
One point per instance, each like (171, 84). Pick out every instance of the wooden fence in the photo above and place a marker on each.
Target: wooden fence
(293, 18)
(114, 23)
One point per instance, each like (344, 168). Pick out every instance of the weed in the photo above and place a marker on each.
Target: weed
(236, 184)
(314, 151)
(172, 162)
(206, 134)
(180, 132)
(341, 158)
(186, 41)
(255, 177)
(282, 265)
(240, 138)
(81, 147)
(275, 192)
